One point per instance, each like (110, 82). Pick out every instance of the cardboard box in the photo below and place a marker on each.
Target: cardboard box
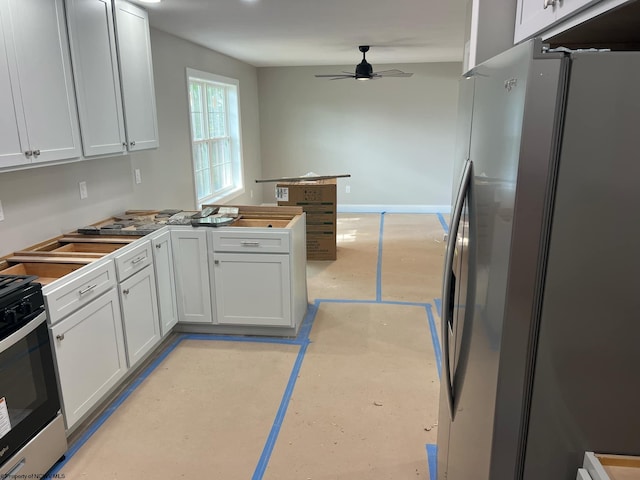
(318, 200)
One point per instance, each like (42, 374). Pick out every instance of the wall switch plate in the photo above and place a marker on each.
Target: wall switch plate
(138, 176)
(1, 212)
(347, 189)
(83, 190)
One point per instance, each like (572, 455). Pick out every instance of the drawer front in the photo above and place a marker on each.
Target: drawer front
(82, 287)
(133, 260)
(267, 242)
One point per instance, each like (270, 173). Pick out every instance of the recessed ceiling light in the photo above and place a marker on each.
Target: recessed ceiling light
(150, 1)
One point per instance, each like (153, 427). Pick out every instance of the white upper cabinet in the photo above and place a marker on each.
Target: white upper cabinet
(40, 108)
(136, 74)
(96, 75)
(13, 134)
(534, 17)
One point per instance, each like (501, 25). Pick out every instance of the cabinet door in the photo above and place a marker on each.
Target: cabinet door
(136, 73)
(252, 289)
(165, 282)
(90, 355)
(96, 75)
(41, 57)
(13, 132)
(532, 17)
(139, 314)
(193, 294)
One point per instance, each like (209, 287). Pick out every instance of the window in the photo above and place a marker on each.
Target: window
(216, 147)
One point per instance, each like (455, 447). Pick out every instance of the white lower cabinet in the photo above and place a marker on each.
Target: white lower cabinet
(191, 270)
(252, 289)
(165, 281)
(90, 355)
(139, 314)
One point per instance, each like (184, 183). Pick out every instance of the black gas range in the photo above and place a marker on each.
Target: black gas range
(32, 434)
(20, 298)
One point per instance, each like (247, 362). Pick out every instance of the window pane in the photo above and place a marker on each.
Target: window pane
(201, 156)
(203, 183)
(197, 115)
(216, 109)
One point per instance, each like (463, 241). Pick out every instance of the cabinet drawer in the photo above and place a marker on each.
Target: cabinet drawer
(133, 260)
(82, 287)
(267, 242)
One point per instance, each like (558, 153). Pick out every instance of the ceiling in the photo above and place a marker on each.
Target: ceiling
(318, 32)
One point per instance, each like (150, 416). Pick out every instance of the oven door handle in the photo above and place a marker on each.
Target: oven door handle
(15, 337)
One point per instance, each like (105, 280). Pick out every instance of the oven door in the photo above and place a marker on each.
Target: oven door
(28, 390)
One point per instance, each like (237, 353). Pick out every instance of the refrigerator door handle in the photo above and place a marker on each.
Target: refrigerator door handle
(447, 283)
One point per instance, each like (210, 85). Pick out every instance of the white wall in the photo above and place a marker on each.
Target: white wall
(167, 179)
(395, 136)
(43, 203)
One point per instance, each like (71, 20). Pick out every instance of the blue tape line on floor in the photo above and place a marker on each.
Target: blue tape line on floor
(379, 265)
(438, 303)
(384, 302)
(443, 222)
(432, 461)
(236, 338)
(434, 338)
(284, 404)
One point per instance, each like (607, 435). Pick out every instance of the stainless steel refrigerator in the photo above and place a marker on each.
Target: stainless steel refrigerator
(541, 296)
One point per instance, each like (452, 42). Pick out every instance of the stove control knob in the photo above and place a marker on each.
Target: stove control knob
(10, 316)
(25, 308)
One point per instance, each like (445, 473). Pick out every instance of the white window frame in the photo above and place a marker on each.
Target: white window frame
(232, 87)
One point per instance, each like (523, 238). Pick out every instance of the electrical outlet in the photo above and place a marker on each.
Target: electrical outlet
(347, 189)
(251, 193)
(83, 190)
(138, 176)
(1, 212)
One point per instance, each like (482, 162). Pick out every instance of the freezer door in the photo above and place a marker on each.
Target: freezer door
(453, 278)
(499, 102)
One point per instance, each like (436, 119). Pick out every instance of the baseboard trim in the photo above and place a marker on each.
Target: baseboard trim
(394, 208)
(355, 208)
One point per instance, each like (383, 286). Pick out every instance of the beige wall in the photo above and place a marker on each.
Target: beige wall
(42, 203)
(395, 136)
(167, 180)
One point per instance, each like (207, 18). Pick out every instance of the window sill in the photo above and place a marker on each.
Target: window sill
(224, 198)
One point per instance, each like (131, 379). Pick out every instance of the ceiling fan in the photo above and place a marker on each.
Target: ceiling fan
(364, 70)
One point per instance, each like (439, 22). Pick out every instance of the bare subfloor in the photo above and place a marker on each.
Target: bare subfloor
(354, 397)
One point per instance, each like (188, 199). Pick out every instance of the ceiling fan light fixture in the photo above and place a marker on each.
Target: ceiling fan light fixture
(364, 70)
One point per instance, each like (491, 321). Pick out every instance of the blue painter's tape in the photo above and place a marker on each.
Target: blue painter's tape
(305, 330)
(384, 302)
(237, 338)
(307, 323)
(379, 266)
(282, 410)
(434, 338)
(438, 303)
(443, 222)
(112, 408)
(432, 460)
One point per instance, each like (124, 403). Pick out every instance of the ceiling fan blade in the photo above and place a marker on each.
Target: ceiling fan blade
(336, 75)
(395, 74)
